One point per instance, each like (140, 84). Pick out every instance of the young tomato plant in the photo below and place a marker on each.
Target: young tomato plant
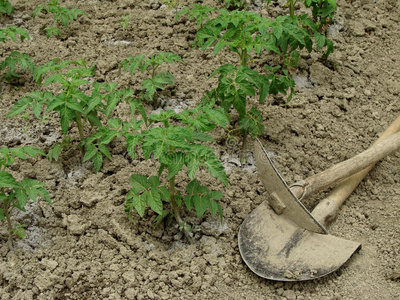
(176, 147)
(73, 105)
(14, 194)
(322, 12)
(125, 22)
(235, 86)
(243, 32)
(15, 59)
(61, 15)
(6, 7)
(150, 65)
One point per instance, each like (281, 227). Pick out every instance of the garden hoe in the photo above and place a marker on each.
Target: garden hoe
(281, 240)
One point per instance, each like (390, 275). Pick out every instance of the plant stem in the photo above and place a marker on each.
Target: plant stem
(291, 7)
(9, 225)
(243, 58)
(80, 125)
(176, 210)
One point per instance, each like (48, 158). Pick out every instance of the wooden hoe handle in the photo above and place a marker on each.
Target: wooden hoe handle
(327, 209)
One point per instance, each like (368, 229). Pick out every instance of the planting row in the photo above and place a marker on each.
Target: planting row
(175, 140)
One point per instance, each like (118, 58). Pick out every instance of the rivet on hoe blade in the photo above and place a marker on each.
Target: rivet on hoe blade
(281, 240)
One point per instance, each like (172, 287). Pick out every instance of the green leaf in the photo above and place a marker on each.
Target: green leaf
(164, 193)
(200, 204)
(103, 149)
(54, 152)
(202, 137)
(153, 199)
(153, 181)
(74, 105)
(320, 40)
(213, 208)
(217, 115)
(22, 198)
(114, 123)
(138, 182)
(20, 106)
(18, 152)
(219, 46)
(97, 161)
(139, 202)
(19, 231)
(216, 169)
(91, 151)
(193, 163)
(7, 180)
(189, 201)
(216, 195)
(66, 117)
(177, 161)
(192, 187)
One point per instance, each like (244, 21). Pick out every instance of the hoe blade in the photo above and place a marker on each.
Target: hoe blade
(276, 248)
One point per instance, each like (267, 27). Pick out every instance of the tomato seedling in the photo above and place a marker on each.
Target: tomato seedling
(75, 106)
(125, 22)
(6, 7)
(174, 147)
(150, 65)
(14, 194)
(16, 58)
(61, 15)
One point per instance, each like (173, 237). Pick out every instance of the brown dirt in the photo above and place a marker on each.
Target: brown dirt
(83, 246)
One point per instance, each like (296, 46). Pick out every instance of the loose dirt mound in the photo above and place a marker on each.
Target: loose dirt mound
(84, 246)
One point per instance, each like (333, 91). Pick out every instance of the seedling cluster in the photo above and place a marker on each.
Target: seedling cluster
(177, 142)
(245, 32)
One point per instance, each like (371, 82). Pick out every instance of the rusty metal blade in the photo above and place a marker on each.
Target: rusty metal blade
(276, 248)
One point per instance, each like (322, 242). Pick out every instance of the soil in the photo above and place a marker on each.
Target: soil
(84, 246)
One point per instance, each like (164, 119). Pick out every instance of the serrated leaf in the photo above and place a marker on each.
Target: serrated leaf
(111, 104)
(138, 182)
(91, 151)
(19, 231)
(139, 202)
(153, 181)
(97, 161)
(176, 164)
(153, 199)
(200, 204)
(216, 169)
(7, 180)
(216, 195)
(219, 46)
(202, 137)
(189, 201)
(192, 187)
(21, 197)
(213, 208)
(20, 106)
(164, 193)
(103, 149)
(114, 123)
(66, 116)
(18, 152)
(193, 163)
(74, 105)
(320, 40)
(108, 136)
(217, 115)
(54, 152)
